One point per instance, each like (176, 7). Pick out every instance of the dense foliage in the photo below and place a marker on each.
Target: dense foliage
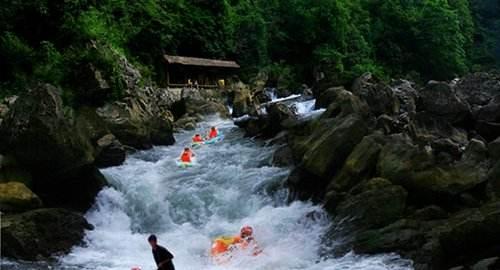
(49, 40)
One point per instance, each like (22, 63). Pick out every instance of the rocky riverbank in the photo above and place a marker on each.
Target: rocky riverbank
(51, 152)
(401, 168)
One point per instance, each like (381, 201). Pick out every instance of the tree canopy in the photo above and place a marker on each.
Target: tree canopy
(436, 39)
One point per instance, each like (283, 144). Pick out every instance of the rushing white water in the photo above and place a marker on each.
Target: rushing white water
(233, 184)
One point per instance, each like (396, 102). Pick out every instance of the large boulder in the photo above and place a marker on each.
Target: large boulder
(471, 232)
(491, 111)
(185, 123)
(137, 121)
(327, 96)
(427, 128)
(400, 158)
(468, 235)
(16, 197)
(110, 152)
(361, 163)
(39, 234)
(142, 117)
(378, 95)
(206, 107)
(439, 99)
(283, 157)
(46, 139)
(488, 119)
(277, 114)
(416, 169)
(242, 99)
(76, 189)
(331, 144)
(277, 118)
(39, 133)
(408, 237)
(478, 88)
(375, 204)
(344, 104)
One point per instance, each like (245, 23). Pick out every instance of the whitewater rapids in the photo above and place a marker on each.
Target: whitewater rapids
(232, 184)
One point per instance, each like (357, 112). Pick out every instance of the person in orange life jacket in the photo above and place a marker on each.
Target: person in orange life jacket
(246, 239)
(232, 243)
(213, 133)
(187, 155)
(197, 138)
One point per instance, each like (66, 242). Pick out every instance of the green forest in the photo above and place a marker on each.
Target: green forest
(49, 40)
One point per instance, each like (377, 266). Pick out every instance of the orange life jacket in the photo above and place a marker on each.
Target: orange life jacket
(213, 133)
(197, 139)
(186, 156)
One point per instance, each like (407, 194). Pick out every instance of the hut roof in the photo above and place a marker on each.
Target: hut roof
(194, 61)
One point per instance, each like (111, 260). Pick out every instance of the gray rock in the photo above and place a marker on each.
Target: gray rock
(377, 95)
(39, 234)
(46, 140)
(374, 207)
(413, 167)
(345, 104)
(327, 96)
(487, 264)
(488, 119)
(110, 152)
(478, 88)
(360, 163)
(494, 149)
(41, 137)
(283, 157)
(439, 99)
(16, 197)
(471, 230)
(331, 144)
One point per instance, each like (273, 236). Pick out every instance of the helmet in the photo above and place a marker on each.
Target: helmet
(246, 230)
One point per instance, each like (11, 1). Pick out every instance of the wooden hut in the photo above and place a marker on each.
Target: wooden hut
(198, 72)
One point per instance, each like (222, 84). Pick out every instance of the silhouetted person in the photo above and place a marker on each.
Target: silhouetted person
(163, 257)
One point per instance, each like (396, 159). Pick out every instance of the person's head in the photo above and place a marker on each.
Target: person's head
(246, 231)
(213, 128)
(152, 240)
(197, 135)
(186, 149)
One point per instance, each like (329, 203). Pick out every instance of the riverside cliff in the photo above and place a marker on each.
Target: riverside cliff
(401, 168)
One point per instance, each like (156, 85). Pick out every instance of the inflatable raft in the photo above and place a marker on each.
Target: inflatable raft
(196, 145)
(182, 164)
(225, 247)
(217, 139)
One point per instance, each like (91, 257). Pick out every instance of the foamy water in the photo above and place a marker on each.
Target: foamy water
(233, 184)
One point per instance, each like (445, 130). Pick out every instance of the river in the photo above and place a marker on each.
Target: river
(232, 184)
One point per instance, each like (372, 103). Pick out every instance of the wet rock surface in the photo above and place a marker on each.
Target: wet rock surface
(38, 234)
(406, 168)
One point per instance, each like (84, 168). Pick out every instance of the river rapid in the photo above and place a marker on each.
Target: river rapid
(232, 184)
